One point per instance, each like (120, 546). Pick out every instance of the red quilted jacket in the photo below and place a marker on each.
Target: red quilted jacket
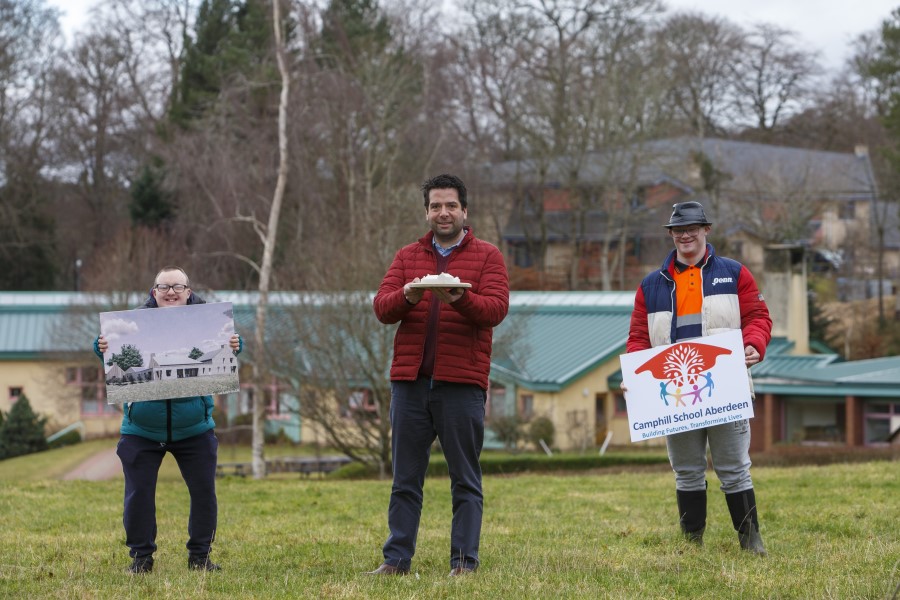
(463, 351)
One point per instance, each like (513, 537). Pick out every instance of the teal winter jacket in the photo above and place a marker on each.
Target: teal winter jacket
(167, 420)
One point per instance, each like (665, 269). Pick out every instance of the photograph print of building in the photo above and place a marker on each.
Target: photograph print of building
(162, 353)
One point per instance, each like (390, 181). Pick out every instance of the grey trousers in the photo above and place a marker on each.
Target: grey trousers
(729, 445)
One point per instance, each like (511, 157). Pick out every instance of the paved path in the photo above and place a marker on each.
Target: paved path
(99, 467)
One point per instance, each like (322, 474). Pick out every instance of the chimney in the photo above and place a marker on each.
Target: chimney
(784, 288)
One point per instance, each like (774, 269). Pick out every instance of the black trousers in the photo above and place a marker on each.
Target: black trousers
(196, 458)
(454, 413)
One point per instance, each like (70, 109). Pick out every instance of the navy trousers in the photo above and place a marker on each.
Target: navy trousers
(196, 458)
(454, 413)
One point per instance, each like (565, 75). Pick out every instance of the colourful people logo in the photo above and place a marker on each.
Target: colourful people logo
(684, 371)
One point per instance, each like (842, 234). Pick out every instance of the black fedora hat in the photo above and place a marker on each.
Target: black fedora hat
(687, 213)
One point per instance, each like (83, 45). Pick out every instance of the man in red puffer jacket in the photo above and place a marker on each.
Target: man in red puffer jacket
(440, 368)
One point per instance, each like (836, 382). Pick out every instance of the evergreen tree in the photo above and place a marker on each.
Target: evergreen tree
(151, 205)
(23, 431)
(28, 252)
(129, 357)
(231, 38)
(195, 353)
(819, 322)
(353, 31)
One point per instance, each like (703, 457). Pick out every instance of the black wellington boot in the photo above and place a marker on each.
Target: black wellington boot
(692, 514)
(742, 506)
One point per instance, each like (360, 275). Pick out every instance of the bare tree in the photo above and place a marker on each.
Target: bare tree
(335, 355)
(773, 77)
(93, 141)
(30, 45)
(152, 34)
(699, 52)
(579, 79)
(271, 230)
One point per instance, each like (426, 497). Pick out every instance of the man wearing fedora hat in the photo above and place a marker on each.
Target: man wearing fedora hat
(697, 293)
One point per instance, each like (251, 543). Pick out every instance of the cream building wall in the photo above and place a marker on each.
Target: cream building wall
(44, 383)
(618, 425)
(573, 410)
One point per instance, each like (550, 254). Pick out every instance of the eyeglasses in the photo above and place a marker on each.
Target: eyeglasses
(688, 231)
(165, 287)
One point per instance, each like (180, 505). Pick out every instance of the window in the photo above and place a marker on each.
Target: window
(278, 402)
(847, 211)
(880, 421)
(526, 406)
(360, 402)
(14, 394)
(621, 405)
(639, 198)
(91, 391)
(814, 423)
(496, 396)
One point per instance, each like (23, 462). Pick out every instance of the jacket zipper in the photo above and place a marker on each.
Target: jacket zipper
(168, 421)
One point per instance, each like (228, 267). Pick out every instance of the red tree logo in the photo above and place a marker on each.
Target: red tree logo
(682, 365)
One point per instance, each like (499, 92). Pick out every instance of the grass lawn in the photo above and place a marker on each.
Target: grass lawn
(831, 532)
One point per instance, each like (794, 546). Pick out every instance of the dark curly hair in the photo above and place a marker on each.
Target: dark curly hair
(446, 182)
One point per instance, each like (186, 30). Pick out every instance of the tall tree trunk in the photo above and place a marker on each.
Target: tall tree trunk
(259, 405)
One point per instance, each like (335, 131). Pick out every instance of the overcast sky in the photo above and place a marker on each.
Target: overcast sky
(826, 26)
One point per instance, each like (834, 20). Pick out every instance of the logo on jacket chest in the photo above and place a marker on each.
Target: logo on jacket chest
(722, 280)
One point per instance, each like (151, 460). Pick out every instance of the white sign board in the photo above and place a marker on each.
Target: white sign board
(686, 385)
(163, 353)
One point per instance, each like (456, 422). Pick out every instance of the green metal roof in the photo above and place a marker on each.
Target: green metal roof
(550, 349)
(548, 339)
(786, 365)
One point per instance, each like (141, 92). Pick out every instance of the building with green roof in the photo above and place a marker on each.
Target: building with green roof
(556, 355)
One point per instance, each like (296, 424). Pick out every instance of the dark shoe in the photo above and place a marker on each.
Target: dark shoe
(742, 506)
(387, 569)
(202, 563)
(695, 537)
(692, 514)
(752, 542)
(140, 564)
(457, 571)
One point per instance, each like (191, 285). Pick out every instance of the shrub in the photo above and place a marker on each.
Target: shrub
(355, 470)
(242, 419)
(508, 430)
(279, 438)
(503, 464)
(539, 429)
(23, 431)
(67, 439)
